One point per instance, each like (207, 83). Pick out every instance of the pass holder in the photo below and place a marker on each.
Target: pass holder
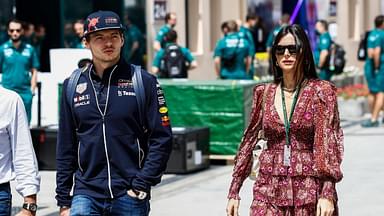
(287, 155)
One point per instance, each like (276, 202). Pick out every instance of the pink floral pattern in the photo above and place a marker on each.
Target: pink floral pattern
(316, 143)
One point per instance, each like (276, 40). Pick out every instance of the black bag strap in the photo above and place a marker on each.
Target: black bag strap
(71, 88)
(138, 87)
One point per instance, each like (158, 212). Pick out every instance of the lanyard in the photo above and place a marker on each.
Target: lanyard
(287, 124)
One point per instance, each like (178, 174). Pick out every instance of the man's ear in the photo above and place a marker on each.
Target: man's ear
(85, 42)
(122, 40)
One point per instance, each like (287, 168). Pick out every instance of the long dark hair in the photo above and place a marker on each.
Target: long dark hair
(305, 67)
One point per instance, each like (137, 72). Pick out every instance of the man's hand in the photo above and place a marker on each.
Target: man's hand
(64, 211)
(131, 193)
(233, 207)
(24, 212)
(325, 207)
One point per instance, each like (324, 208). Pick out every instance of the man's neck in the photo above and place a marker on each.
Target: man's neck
(16, 44)
(101, 66)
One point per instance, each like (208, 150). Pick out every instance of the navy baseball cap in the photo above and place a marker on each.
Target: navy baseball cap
(102, 20)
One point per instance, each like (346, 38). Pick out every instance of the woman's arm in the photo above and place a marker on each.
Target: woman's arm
(243, 158)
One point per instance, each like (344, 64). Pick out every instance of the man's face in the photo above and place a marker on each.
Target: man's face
(172, 21)
(15, 31)
(79, 29)
(105, 45)
(319, 27)
(252, 22)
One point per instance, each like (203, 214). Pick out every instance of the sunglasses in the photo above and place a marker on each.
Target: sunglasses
(292, 49)
(14, 30)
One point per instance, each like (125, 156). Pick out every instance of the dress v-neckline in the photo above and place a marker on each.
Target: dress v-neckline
(279, 118)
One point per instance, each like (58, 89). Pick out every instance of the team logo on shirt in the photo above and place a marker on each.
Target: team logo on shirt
(80, 88)
(8, 52)
(123, 83)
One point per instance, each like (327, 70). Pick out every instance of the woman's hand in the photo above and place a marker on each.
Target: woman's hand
(325, 207)
(233, 207)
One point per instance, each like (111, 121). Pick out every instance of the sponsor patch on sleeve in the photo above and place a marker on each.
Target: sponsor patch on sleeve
(163, 109)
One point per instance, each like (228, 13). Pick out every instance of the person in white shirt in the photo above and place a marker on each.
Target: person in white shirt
(17, 157)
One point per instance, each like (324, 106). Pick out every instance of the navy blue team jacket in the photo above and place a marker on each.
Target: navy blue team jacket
(109, 154)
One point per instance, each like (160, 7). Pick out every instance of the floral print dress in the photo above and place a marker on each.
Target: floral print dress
(316, 152)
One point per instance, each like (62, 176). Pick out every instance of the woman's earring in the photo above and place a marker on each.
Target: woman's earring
(277, 64)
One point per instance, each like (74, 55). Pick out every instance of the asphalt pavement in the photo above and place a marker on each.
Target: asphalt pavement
(204, 193)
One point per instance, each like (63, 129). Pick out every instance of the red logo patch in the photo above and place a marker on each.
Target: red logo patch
(92, 23)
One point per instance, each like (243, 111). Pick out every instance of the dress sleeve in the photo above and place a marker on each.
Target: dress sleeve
(328, 145)
(243, 159)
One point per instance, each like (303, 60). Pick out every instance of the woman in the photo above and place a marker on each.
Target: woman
(298, 172)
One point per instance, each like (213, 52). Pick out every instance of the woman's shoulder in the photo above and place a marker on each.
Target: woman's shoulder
(324, 90)
(322, 86)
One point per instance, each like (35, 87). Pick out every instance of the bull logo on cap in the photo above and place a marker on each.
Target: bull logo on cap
(92, 23)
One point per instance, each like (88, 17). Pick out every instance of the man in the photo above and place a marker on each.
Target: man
(78, 29)
(170, 23)
(174, 60)
(284, 20)
(19, 63)
(102, 145)
(18, 158)
(134, 43)
(245, 32)
(374, 71)
(322, 49)
(232, 56)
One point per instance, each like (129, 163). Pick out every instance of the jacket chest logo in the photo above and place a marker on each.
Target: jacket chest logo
(80, 88)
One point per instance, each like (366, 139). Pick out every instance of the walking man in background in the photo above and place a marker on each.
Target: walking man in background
(232, 55)
(17, 157)
(321, 53)
(374, 71)
(246, 33)
(170, 23)
(111, 147)
(173, 61)
(134, 43)
(19, 64)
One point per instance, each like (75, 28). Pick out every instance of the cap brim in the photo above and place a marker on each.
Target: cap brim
(100, 29)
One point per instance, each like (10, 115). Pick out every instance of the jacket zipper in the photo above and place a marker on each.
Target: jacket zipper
(103, 118)
(141, 152)
(78, 158)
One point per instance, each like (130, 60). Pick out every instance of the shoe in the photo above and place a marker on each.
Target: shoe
(368, 123)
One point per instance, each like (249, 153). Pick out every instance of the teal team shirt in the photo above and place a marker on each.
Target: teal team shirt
(16, 65)
(324, 43)
(132, 35)
(375, 80)
(272, 35)
(161, 34)
(247, 35)
(225, 47)
(160, 55)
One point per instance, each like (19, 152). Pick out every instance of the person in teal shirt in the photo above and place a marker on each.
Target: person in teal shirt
(159, 64)
(232, 55)
(19, 64)
(78, 29)
(284, 20)
(245, 32)
(134, 43)
(170, 23)
(374, 71)
(323, 45)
